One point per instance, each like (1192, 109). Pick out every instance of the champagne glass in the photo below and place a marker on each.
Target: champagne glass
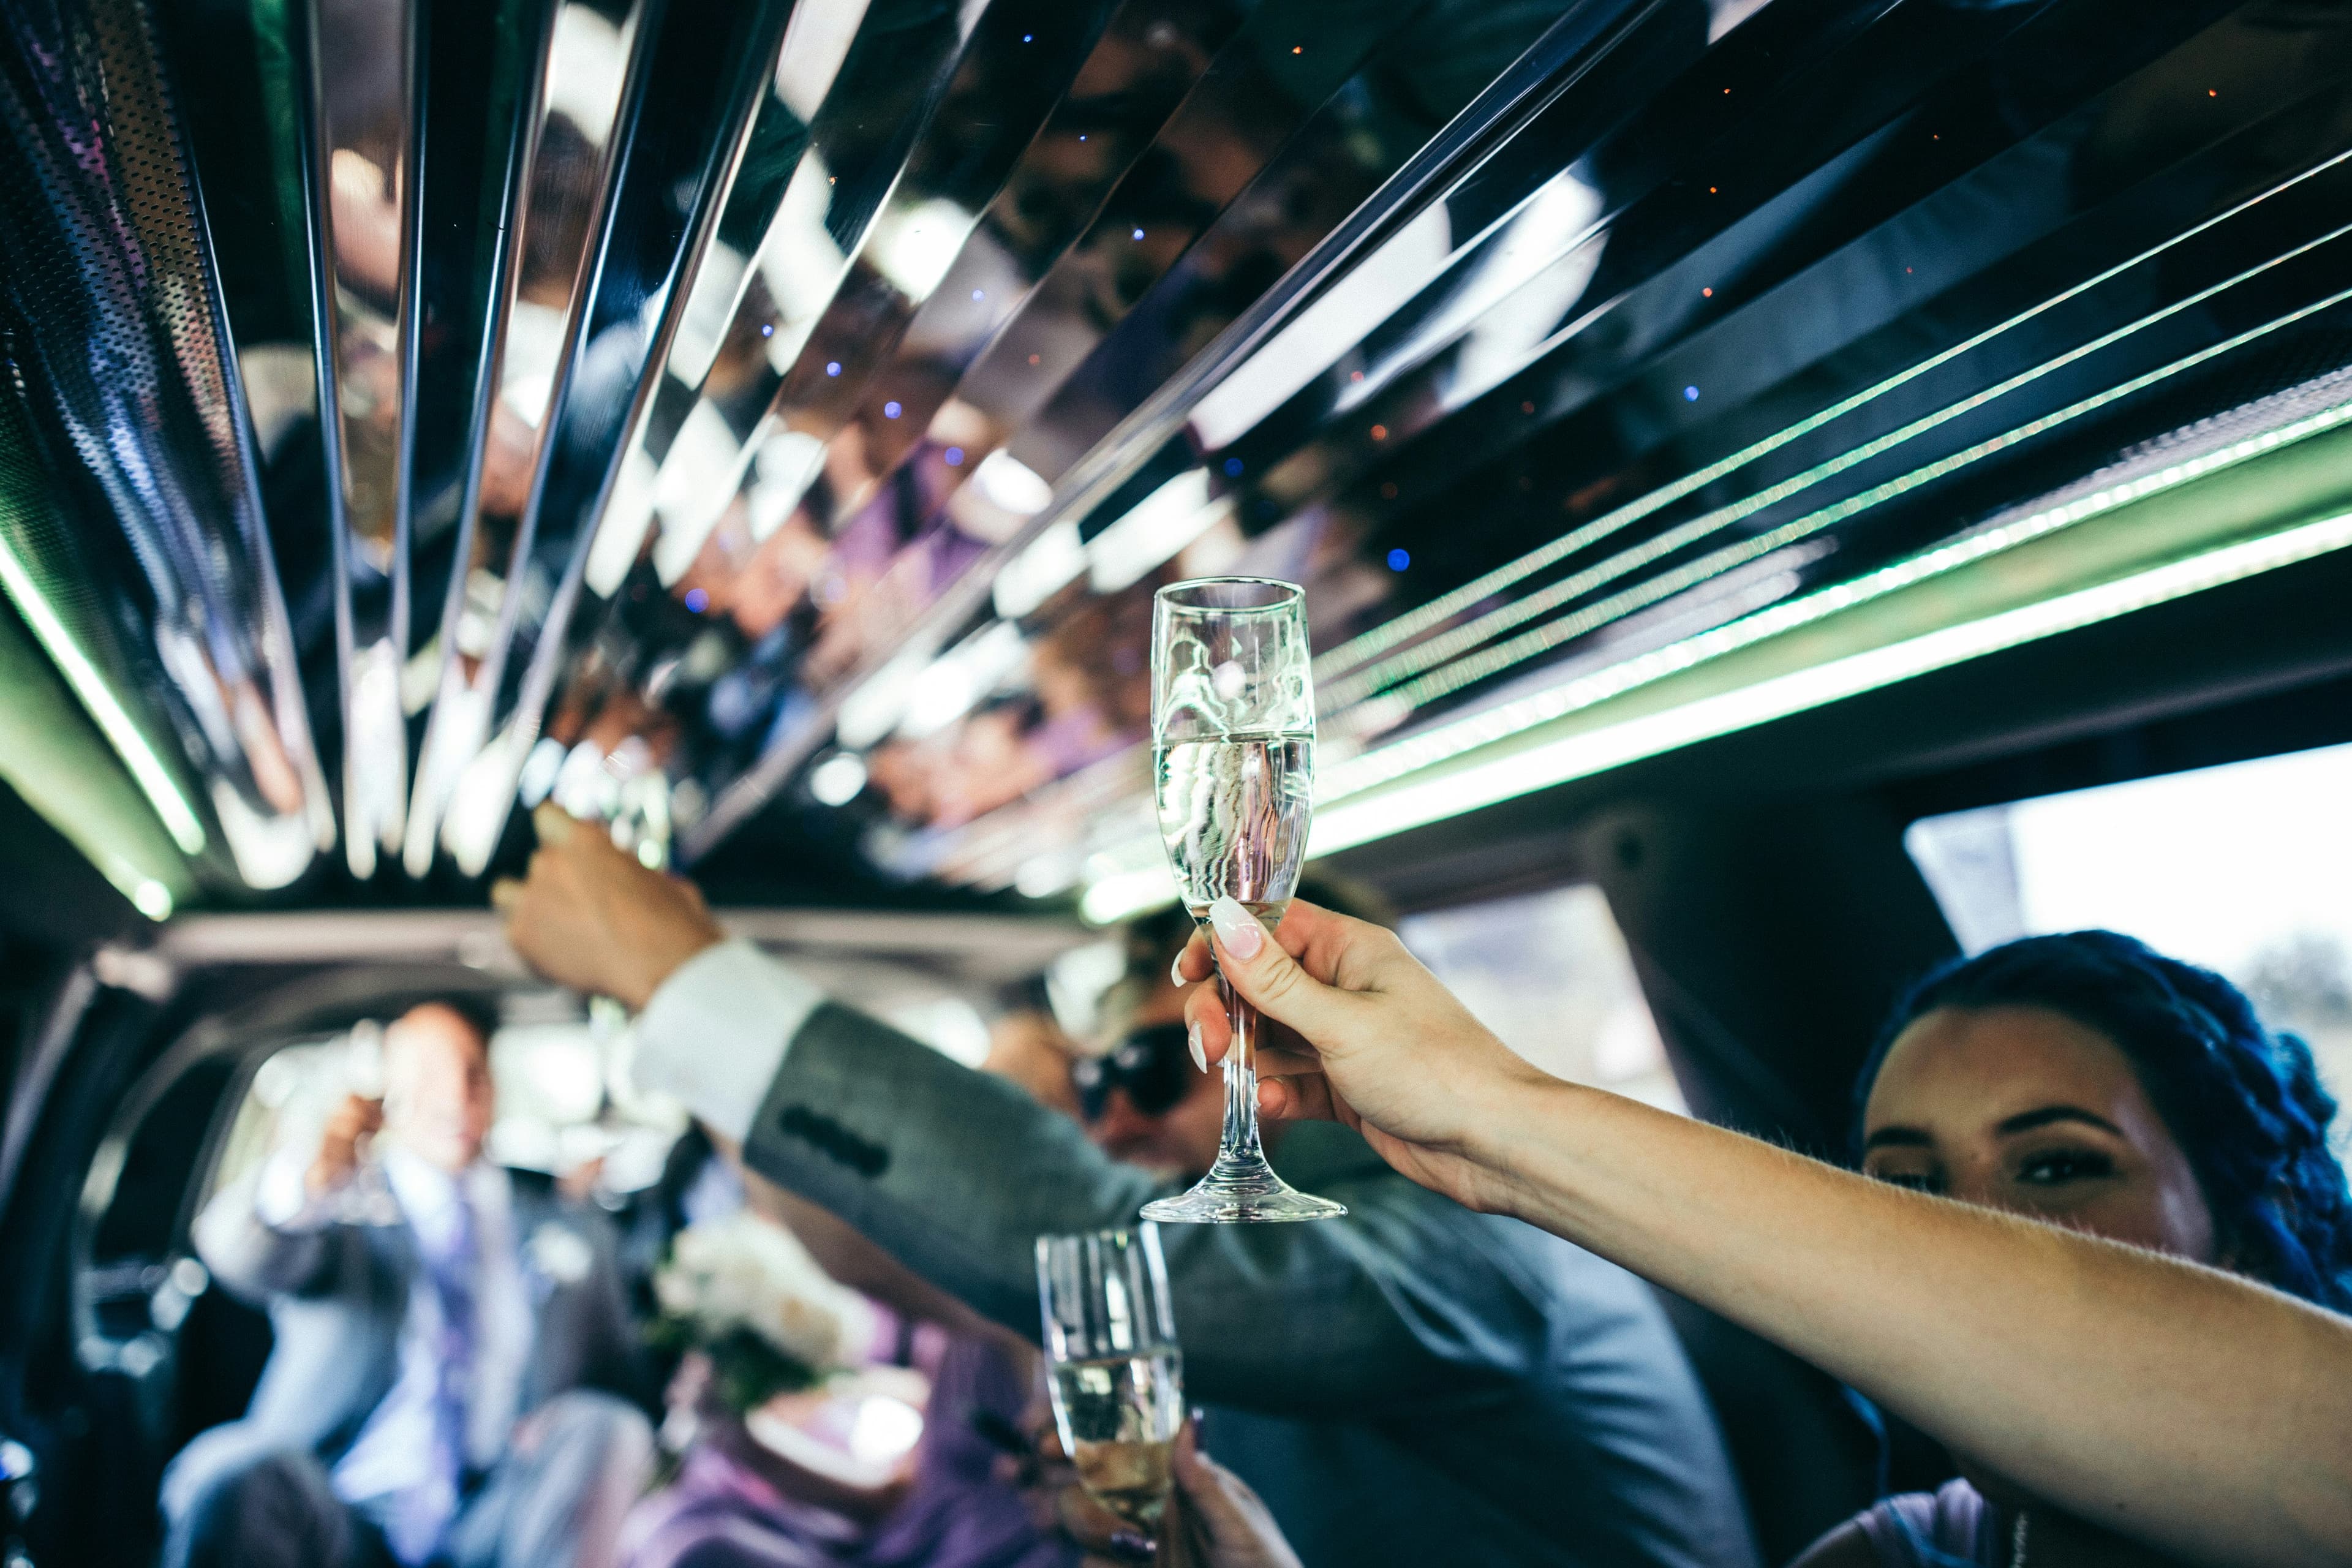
(1118, 1374)
(1232, 727)
(367, 1198)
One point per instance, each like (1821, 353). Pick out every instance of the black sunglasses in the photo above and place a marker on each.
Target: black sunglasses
(1153, 1064)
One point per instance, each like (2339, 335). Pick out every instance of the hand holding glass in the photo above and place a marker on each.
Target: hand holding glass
(1232, 726)
(1118, 1374)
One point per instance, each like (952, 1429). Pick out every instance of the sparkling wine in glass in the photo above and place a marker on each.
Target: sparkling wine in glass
(1232, 726)
(1118, 1374)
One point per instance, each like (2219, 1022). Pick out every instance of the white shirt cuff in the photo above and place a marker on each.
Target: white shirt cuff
(715, 1033)
(282, 1198)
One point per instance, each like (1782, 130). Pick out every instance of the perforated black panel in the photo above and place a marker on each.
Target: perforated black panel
(116, 349)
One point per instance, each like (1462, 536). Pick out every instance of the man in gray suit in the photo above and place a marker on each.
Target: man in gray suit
(1414, 1384)
(442, 1325)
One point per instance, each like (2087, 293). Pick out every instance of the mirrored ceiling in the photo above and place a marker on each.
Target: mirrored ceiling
(766, 423)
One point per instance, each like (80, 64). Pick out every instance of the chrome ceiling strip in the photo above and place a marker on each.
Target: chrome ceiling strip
(876, 90)
(1009, 75)
(820, 162)
(1441, 679)
(365, 112)
(122, 354)
(1713, 333)
(1121, 88)
(851, 156)
(945, 611)
(1689, 579)
(682, 135)
(1435, 650)
(589, 65)
(2109, 249)
(721, 265)
(1150, 56)
(1500, 258)
(1584, 35)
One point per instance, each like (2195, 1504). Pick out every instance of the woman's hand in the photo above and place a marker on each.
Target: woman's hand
(1373, 1040)
(1224, 1524)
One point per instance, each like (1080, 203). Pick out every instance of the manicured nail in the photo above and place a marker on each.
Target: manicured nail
(1176, 969)
(1193, 1038)
(1236, 929)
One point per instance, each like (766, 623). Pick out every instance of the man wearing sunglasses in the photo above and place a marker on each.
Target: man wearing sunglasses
(1413, 1385)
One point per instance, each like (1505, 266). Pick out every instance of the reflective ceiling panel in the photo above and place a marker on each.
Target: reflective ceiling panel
(765, 423)
(365, 114)
(587, 68)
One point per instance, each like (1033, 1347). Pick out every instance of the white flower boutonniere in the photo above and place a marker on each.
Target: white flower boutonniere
(744, 1291)
(559, 1254)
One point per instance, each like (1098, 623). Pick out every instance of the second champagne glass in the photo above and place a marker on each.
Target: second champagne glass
(1233, 731)
(1118, 1374)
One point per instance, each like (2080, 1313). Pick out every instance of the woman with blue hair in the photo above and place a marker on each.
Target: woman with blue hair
(2157, 1376)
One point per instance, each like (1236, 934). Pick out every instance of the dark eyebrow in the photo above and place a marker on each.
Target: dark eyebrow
(1896, 1137)
(2028, 1121)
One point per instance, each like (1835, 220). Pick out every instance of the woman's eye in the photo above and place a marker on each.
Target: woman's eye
(2056, 1166)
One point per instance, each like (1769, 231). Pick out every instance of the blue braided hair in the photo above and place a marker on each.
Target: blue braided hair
(2244, 1102)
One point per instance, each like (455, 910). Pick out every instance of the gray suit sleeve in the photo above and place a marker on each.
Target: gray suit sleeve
(956, 1174)
(254, 1261)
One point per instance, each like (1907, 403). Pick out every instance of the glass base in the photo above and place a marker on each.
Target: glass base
(1241, 1192)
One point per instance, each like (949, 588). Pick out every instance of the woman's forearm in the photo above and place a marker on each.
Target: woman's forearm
(2188, 1408)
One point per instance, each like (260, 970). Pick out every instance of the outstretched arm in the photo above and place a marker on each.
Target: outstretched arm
(954, 1174)
(2177, 1404)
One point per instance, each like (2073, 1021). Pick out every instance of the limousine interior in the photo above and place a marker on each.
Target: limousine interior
(1785, 492)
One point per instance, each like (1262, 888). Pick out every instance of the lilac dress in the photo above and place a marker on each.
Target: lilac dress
(1953, 1527)
(957, 1514)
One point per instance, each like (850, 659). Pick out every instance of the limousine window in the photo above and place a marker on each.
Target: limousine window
(2242, 867)
(1550, 973)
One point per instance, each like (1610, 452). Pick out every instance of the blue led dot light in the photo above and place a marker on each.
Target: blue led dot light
(1234, 468)
(1139, 234)
(1399, 560)
(954, 456)
(697, 600)
(980, 293)
(767, 328)
(1690, 395)
(833, 367)
(892, 410)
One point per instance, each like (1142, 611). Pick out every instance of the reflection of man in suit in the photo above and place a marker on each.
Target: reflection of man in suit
(429, 1398)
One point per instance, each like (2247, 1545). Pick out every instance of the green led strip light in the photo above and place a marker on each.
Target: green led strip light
(1386, 764)
(1462, 638)
(2308, 470)
(1596, 750)
(53, 756)
(1402, 628)
(1464, 672)
(113, 721)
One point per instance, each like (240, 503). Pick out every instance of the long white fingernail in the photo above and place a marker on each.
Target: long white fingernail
(1176, 969)
(1193, 1038)
(1236, 929)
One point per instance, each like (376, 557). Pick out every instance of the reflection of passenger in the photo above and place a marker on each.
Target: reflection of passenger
(1416, 1384)
(430, 1397)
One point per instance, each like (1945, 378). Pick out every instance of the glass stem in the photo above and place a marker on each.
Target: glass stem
(1239, 1142)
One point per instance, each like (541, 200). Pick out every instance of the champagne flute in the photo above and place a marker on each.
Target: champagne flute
(1232, 727)
(1118, 1375)
(367, 1198)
